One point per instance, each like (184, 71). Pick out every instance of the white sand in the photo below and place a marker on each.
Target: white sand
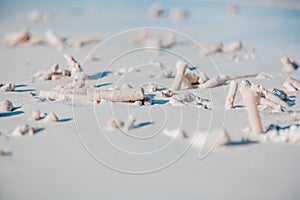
(55, 164)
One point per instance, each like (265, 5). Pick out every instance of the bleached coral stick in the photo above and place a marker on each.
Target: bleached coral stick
(250, 99)
(180, 67)
(123, 95)
(233, 86)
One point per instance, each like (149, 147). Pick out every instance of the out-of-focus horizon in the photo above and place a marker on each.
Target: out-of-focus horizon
(258, 21)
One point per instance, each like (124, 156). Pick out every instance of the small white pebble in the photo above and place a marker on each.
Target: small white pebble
(51, 117)
(23, 130)
(121, 71)
(114, 124)
(232, 47)
(167, 93)
(36, 115)
(138, 103)
(178, 14)
(6, 106)
(35, 15)
(233, 9)
(8, 87)
(5, 152)
(191, 78)
(147, 101)
(156, 11)
(202, 78)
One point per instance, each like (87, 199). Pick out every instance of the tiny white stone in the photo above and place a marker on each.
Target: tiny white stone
(202, 78)
(6, 106)
(138, 103)
(35, 15)
(178, 14)
(167, 93)
(147, 101)
(23, 130)
(156, 10)
(36, 115)
(114, 124)
(8, 87)
(51, 117)
(232, 47)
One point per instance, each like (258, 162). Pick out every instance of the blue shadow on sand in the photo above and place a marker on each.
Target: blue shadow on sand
(10, 114)
(21, 85)
(151, 95)
(24, 90)
(290, 102)
(277, 128)
(27, 90)
(144, 124)
(102, 85)
(192, 68)
(238, 106)
(65, 120)
(37, 131)
(242, 142)
(159, 102)
(99, 75)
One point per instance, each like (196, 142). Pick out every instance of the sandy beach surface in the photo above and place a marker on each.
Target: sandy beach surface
(77, 157)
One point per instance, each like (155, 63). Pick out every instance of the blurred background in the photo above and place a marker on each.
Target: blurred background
(253, 20)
